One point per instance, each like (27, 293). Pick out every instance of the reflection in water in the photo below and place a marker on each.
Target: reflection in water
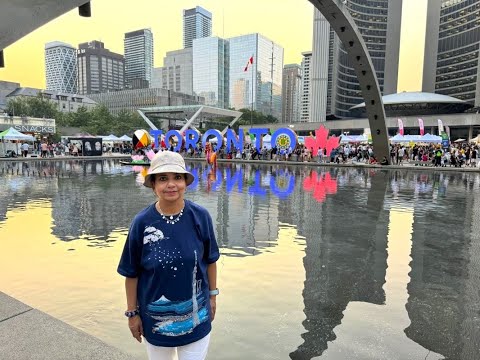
(317, 263)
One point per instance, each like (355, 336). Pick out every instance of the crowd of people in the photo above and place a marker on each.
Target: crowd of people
(457, 155)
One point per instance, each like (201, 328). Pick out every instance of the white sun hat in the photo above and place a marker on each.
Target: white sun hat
(167, 162)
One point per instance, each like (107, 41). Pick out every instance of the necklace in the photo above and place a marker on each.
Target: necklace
(170, 219)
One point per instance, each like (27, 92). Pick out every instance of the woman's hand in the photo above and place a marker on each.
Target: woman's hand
(135, 326)
(213, 307)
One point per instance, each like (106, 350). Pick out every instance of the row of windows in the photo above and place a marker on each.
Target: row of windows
(468, 52)
(460, 28)
(446, 10)
(446, 81)
(459, 40)
(458, 67)
(471, 15)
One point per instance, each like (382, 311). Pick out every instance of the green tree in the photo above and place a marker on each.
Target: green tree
(18, 106)
(126, 122)
(101, 121)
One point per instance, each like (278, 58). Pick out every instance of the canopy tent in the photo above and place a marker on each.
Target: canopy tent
(475, 140)
(267, 141)
(347, 139)
(459, 140)
(428, 138)
(12, 134)
(125, 138)
(110, 137)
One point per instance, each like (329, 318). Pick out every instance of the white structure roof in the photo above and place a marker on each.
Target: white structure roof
(415, 98)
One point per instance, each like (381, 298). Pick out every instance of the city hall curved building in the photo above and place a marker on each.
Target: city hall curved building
(451, 65)
(379, 22)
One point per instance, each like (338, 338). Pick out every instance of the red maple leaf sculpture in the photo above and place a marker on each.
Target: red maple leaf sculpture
(321, 140)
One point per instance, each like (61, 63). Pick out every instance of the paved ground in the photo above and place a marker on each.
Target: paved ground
(29, 334)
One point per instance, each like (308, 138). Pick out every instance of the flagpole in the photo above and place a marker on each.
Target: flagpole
(251, 112)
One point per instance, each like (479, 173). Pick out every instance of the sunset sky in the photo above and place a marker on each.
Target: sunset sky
(287, 22)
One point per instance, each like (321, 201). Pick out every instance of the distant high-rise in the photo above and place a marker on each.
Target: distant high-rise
(176, 73)
(61, 67)
(452, 49)
(211, 70)
(305, 89)
(138, 47)
(197, 23)
(291, 92)
(258, 84)
(380, 29)
(99, 70)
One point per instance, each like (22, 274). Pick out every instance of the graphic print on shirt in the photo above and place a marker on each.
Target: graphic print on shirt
(175, 318)
(151, 235)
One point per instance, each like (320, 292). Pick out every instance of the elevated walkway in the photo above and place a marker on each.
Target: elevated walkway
(31, 334)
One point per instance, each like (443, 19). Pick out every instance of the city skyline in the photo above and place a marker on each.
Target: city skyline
(24, 59)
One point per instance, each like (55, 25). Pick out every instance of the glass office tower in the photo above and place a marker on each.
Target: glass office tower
(256, 85)
(210, 70)
(61, 67)
(452, 42)
(138, 49)
(197, 23)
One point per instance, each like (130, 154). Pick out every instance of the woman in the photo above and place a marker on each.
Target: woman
(169, 264)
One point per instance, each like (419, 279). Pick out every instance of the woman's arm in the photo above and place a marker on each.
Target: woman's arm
(134, 323)
(212, 283)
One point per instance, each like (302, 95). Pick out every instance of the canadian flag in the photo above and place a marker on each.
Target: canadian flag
(250, 61)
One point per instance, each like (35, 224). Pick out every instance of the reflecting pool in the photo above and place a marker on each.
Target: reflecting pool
(317, 263)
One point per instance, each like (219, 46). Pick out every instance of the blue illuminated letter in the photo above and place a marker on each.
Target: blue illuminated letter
(179, 137)
(258, 136)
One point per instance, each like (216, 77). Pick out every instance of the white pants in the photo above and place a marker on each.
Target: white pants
(194, 351)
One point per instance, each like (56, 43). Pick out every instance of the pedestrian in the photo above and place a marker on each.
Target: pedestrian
(169, 261)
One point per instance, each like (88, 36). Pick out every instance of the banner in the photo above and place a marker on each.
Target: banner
(400, 127)
(440, 127)
(447, 129)
(422, 128)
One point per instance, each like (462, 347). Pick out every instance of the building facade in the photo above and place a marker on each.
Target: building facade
(138, 50)
(61, 67)
(6, 87)
(63, 101)
(379, 23)
(140, 98)
(176, 72)
(99, 69)
(211, 70)
(197, 23)
(291, 93)
(305, 87)
(256, 85)
(452, 44)
(319, 75)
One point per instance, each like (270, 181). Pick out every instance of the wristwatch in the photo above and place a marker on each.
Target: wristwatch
(214, 292)
(132, 313)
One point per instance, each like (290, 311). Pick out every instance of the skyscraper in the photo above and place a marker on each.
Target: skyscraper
(452, 43)
(61, 67)
(211, 70)
(305, 90)
(176, 73)
(291, 92)
(380, 29)
(197, 23)
(256, 84)
(138, 47)
(99, 69)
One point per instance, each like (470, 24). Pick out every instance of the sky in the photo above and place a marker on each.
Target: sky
(287, 22)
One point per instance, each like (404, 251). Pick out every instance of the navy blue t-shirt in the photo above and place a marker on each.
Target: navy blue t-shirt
(170, 262)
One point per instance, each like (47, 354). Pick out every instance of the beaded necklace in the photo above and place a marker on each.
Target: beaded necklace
(170, 219)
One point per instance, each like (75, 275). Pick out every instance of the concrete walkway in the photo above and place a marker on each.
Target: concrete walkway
(29, 334)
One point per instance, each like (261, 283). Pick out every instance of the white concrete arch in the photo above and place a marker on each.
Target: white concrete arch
(339, 18)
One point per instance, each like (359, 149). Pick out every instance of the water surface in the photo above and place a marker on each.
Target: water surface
(327, 263)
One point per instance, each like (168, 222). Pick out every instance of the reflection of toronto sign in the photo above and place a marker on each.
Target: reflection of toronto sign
(283, 138)
(35, 128)
(280, 183)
